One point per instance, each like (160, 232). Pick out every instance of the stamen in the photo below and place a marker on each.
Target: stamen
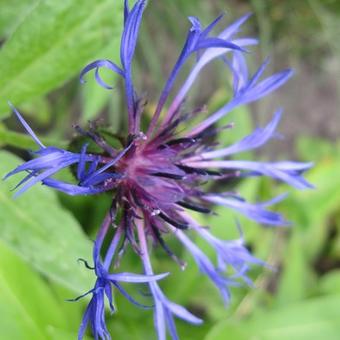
(167, 175)
(129, 298)
(176, 224)
(198, 171)
(182, 141)
(194, 207)
(161, 241)
(130, 235)
(99, 140)
(81, 296)
(209, 132)
(85, 263)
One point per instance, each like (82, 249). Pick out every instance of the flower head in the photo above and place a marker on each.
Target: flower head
(156, 176)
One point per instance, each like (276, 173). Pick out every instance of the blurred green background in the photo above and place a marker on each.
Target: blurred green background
(44, 45)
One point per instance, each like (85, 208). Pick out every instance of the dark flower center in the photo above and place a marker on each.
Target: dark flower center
(150, 177)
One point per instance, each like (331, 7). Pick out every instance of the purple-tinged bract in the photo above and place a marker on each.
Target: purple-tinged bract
(156, 177)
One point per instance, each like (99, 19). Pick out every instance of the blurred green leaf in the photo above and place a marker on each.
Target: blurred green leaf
(58, 334)
(38, 110)
(295, 265)
(52, 44)
(72, 311)
(24, 141)
(12, 13)
(27, 305)
(310, 211)
(315, 149)
(37, 228)
(313, 319)
(330, 282)
(228, 330)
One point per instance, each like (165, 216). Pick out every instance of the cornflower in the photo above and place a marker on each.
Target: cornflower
(157, 175)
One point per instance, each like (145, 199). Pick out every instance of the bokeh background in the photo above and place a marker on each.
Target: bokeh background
(44, 45)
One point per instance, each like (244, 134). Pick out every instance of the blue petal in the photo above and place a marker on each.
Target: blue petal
(265, 87)
(229, 253)
(234, 27)
(98, 64)
(159, 319)
(165, 310)
(26, 126)
(256, 139)
(71, 189)
(40, 178)
(25, 179)
(182, 313)
(135, 278)
(258, 74)
(195, 41)
(212, 25)
(215, 43)
(206, 266)
(127, 50)
(289, 172)
(245, 95)
(95, 179)
(126, 10)
(240, 71)
(93, 176)
(254, 212)
(196, 24)
(171, 325)
(130, 298)
(108, 293)
(50, 158)
(84, 322)
(82, 162)
(93, 166)
(130, 33)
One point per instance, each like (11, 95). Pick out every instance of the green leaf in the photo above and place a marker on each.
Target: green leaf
(295, 265)
(314, 319)
(230, 330)
(310, 211)
(24, 301)
(39, 110)
(25, 141)
(12, 13)
(58, 334)
(330, 282)
(311, 149)
(52, 44)
(72, 311)
(37, 228)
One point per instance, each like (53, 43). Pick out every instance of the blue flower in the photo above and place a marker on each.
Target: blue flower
(95, 311)
(155, 177)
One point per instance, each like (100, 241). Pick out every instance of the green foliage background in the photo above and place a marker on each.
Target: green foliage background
(44, 46)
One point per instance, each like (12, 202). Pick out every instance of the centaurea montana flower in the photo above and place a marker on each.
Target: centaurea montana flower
(156, 176)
